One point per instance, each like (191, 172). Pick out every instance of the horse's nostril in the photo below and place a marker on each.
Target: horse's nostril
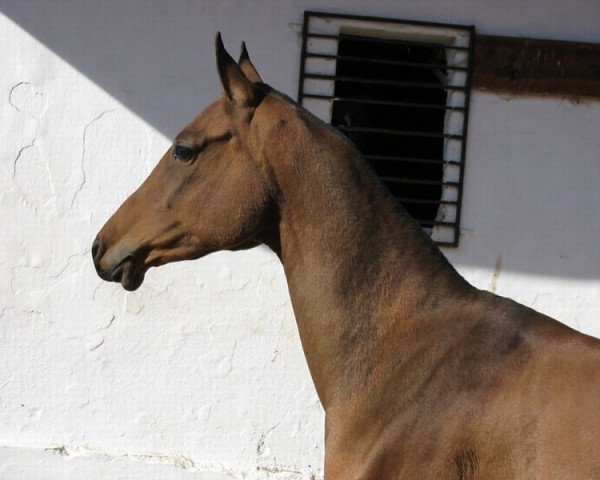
(96, 249)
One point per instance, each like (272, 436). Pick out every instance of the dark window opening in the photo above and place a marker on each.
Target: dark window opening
(400, 90)
(389, 99)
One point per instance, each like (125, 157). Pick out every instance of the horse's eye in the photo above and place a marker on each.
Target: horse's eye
(183, 153)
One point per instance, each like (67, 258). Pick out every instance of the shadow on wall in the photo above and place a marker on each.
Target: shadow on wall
(157, 59)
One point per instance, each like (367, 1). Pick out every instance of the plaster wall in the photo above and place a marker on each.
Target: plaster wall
(200, 373)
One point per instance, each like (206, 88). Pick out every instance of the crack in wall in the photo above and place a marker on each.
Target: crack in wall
(66, 266)
(276, 469)
(83, 154)
(496, 274)
(182, 462)
(19, 154)
(46, 281)
(26, 100)
(10, 95)
(109, 324)
(30, 99)
(32, 176)
(261, 447)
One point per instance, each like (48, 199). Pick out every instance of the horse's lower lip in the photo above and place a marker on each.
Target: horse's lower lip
(130, 275)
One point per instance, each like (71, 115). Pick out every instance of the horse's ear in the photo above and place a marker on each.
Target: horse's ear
(247, 67)
(237, 87)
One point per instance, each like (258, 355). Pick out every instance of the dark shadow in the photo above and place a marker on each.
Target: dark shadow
(156, 58)
(411, 166)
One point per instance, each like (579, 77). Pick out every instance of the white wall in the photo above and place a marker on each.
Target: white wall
(200, 374)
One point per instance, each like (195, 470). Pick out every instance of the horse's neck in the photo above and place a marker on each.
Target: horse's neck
(358, 268)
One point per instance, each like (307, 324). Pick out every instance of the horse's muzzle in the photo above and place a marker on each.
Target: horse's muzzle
(121, 268)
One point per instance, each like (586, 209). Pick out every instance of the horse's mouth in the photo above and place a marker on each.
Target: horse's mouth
(129, 275)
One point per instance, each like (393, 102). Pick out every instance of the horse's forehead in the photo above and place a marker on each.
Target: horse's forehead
(213, 117)
(220, 115)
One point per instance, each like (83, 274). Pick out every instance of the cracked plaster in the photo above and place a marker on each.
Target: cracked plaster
(83, 153)
(28, 100)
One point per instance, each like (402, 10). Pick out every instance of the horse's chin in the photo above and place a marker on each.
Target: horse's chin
(133, 284)
(132, 276)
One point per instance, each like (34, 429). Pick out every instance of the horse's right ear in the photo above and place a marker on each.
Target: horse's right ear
(247, 67)
(237, 87)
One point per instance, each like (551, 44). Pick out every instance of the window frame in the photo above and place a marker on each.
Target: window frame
(445, 233)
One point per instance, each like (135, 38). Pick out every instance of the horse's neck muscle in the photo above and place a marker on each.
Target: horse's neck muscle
(357, 266)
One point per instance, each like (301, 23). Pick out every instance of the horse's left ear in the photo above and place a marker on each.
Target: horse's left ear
(236, 85)
(247, 67)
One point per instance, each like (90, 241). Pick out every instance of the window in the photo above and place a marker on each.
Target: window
(400, 91)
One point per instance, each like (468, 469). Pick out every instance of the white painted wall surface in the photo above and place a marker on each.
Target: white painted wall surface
(200, 373)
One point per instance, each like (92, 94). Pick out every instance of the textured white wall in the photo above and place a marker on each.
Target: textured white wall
(200, 374)
(531, 218)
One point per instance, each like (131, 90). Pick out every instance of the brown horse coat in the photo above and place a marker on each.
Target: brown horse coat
(421, 375)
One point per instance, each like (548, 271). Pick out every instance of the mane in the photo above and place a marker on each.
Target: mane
(305, 114)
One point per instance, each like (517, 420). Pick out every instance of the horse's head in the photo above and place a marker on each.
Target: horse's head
(209, 191)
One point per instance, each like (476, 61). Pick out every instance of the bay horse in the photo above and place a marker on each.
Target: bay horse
(420, 374)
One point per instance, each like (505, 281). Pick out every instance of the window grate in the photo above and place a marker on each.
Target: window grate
(400, 90)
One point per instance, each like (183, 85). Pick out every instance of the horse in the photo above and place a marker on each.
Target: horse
(420, 374)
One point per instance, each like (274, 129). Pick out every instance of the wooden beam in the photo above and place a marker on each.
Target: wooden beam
(527, 66)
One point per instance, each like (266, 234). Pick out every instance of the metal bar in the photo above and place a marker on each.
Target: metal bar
(303, 57)
(417, 181)
(449, 26)
(444, 244)
(381, 102)
(425, 201)
(389, 158)
(405, 133)
(461, 177)
(436, 223)
(392, 41)
(376, 61)
(392, 83)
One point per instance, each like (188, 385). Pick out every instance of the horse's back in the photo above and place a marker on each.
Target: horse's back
(544, 413)
(524, 403)
(517, 396)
